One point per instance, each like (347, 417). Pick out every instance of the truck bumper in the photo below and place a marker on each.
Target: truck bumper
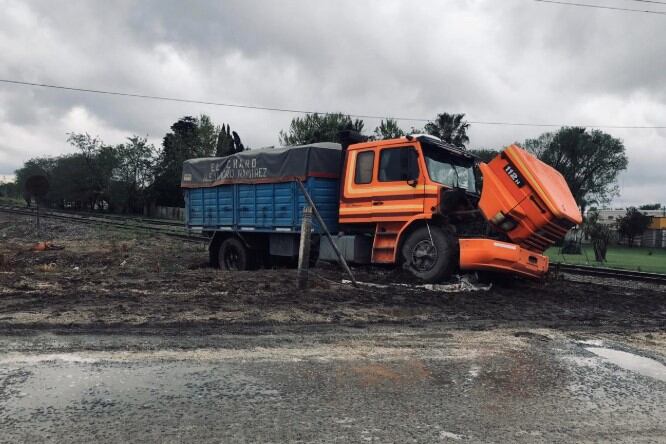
(489, 254)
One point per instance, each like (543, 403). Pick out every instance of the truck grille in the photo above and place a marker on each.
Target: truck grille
(547, 235)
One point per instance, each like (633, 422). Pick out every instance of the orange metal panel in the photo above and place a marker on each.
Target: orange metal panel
(548, 183)
(379, 201)
(521, 190)
(489, 254)
(392, 206)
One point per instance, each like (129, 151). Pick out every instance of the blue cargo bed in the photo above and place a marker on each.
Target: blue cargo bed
(260, 207)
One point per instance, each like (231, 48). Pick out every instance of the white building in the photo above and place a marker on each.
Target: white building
(654, 236)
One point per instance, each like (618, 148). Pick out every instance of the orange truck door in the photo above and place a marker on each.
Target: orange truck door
(399, 187)
(382, 184)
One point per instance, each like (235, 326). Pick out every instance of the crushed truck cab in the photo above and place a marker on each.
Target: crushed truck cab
(414, 202)
(529, 202)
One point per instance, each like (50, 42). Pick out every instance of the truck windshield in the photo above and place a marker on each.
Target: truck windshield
(449, 170)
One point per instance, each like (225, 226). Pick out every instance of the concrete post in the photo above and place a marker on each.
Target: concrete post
(304, 249)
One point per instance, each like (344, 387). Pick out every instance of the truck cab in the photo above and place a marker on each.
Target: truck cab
(417, 196)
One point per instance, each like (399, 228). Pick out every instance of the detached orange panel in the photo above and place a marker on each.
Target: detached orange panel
(489, 254)
(527, 199)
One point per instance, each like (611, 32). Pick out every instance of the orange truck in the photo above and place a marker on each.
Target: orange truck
(414, 202)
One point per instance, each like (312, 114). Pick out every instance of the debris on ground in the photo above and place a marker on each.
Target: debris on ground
(44, 246)
(47, 268)
(463, 283)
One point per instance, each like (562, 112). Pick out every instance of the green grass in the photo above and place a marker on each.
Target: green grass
(12, 201)
(635, 258)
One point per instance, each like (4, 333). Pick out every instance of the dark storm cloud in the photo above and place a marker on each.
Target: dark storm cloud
(512, 60)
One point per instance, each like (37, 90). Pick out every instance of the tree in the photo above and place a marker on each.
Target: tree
(189, 138)
(388, 129)
(100, 161)
(485, 155)
(632, 224)
(9, 189)
(84, 177)
(450, 128)
(646, 207)
(318, 128)
(180, 144)
(228, 142)
(36, 166)
(539, 145)
(589, 161)
(133, 173)
(207, 133)
(225, 142)
(71, 183)
(598, 233)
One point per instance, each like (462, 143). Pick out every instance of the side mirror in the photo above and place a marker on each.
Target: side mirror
(412, 182)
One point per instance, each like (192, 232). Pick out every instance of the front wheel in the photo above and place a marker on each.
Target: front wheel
(430, 254)
(233, 255)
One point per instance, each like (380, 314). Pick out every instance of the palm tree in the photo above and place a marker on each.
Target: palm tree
(450, 128)
(388, 129)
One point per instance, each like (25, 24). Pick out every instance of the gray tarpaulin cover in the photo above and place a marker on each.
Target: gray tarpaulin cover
(264, 165)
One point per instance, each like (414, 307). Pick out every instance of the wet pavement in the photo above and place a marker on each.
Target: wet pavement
(385, 384)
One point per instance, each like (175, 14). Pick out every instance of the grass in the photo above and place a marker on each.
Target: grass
(12, 201)
(636, 258)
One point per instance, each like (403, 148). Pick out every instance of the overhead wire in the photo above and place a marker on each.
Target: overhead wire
(301, 111)
(613, 8)
(648, 1)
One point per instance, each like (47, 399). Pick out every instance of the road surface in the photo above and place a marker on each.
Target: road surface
(383, 384)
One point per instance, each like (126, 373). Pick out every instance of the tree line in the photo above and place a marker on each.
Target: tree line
(589, 160)
(125, 177)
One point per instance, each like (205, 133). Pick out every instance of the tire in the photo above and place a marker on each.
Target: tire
(430, 261)
(233, 255)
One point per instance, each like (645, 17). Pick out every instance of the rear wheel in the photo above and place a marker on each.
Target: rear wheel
(430, 254)
(233, 255)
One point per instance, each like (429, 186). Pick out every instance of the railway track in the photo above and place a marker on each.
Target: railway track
(168, 228)
(175, 229)
(613, 273)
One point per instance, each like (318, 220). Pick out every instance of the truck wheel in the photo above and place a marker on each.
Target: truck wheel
(430, 256)
(233, 255)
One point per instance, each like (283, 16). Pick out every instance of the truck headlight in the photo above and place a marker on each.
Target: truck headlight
(499, 217)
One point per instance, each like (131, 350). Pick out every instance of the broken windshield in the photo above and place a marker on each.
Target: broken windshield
(449, 170)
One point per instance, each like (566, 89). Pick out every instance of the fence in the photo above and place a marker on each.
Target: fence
(175, 213)
(651, 239)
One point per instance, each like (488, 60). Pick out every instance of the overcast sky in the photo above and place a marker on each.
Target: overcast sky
(509, 60)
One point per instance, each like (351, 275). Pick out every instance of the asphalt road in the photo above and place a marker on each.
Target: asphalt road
(384, 384)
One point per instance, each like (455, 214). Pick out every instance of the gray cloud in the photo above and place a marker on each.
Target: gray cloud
(514, 61)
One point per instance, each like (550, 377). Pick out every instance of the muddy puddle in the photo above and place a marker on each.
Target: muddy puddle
(629, 361)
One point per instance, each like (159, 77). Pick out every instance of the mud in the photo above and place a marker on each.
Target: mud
(126, 337)
(104, 279)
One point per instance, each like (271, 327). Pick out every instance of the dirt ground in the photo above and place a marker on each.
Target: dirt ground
(101, 278)
(119, 336)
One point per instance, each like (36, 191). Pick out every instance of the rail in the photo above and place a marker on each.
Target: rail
(168, 228)
(614, 273)
(175, 229)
